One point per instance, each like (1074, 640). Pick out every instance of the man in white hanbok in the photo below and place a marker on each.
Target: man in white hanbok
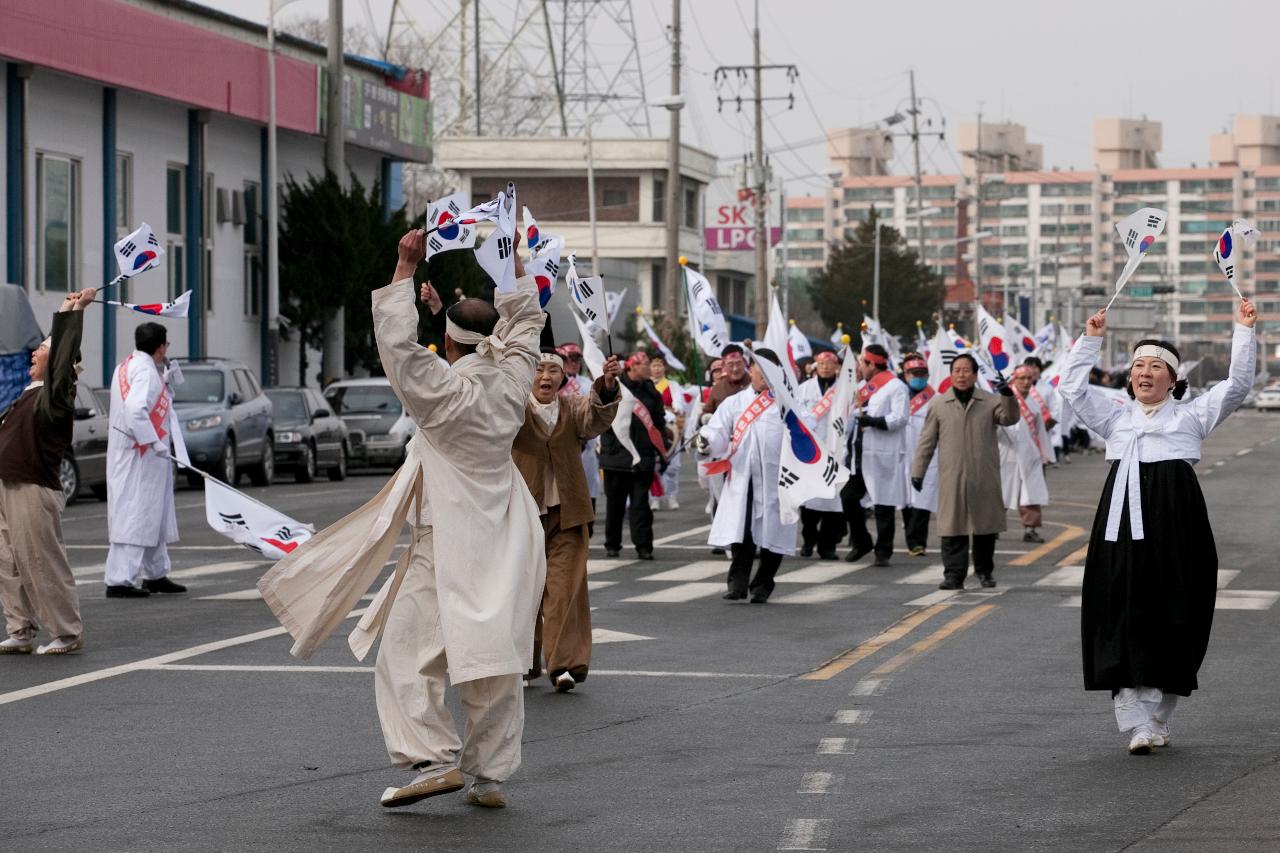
(821, 519)
(141, 520)
(922, 504)
(1024, 451)
(461, 604)
(883, 400)
(745, 434)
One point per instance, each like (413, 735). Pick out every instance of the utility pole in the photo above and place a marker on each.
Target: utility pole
(977, 229)
(914, 135)
(477, 41)
(760, 184)
(333, 364)
(674, 277)
(555, 71)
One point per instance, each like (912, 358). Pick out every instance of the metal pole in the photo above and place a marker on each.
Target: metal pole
(783, 281)
(762, 241)
(273, 211)
(555, 70)
(477, 41)
(334, 357)
(670, 302)
(915, 141)
(591, 199)
(977, 229)
(875, 275)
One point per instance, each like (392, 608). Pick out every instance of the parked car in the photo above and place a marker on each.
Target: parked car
(84, 465)
(1268, 399)
(103, 396)
(378, 427)
(226, 421)
(309, 437)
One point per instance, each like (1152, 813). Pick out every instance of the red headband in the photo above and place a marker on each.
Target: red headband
(916, 364)
(825, 355)
(1022, 370)
(637, 358)
(874, 359)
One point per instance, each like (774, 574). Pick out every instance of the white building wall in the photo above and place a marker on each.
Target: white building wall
(4, 172)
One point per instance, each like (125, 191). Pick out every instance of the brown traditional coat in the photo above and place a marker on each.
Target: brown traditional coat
(969, 496)
(581, 419)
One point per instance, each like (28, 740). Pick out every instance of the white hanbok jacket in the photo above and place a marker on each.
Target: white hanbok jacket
(1174, 431)
(140, 508)
(756, 462)
(884, 451)
(926, 498)
(1022, 480)
(808, 395)
(487, 545)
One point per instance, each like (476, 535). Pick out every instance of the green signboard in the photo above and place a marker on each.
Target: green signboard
(381, 119)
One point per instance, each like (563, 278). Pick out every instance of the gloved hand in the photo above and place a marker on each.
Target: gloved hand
(1001, 386)
(704, 419)
(1050, 424)
(161, 450)
(917, 483)
(701, 446)
(873, 421)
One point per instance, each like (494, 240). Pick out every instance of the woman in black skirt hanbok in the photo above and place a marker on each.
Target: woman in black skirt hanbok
(1150, 580)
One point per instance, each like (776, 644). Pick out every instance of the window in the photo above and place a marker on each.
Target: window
(691, 211)
(175, 220)
(614, 198)
(124, 208)
(659, 200)
(1224, 186)
(804, 234)
(731, 293)
(252, 214)
(1268, 183)
(818, 214)
(656, 276)
(58, 220)
(868, 194)
(252, 283)
(1065, 189)
(210, 217)
(248, 383)
(252, 295)
(176, 265)
(1141, 187)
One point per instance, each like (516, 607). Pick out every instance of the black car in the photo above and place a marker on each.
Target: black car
(84, 465)
(308, 436)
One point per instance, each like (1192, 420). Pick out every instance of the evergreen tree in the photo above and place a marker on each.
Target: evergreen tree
(909, 290)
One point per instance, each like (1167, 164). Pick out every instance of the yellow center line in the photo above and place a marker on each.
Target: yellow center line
(863, 650)
(1076, 557)
(928, 643)
(1072, 532)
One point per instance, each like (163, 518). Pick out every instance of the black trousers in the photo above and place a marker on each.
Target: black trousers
(955, 556)
(823, 529)
(744, 554)
(619, 488)
(886, 525)
(915, 524)
(854, 515)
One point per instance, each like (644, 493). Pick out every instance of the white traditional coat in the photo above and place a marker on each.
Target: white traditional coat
(140, 508)
(884, 451)
(926, 498)
(487, 541)
(756, 462)
(808, 395)
(1022, 463)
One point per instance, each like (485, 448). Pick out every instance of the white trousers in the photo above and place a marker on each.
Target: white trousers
(126, 562)
(409, 686)
(671, 478)
(1149, 707)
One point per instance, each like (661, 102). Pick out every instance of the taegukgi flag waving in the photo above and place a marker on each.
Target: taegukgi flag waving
(138, 252)
(706, 320)
(496, 255)
(254, 525)
(667, 354)
(443, 215)
(588, 295)
(176, 308)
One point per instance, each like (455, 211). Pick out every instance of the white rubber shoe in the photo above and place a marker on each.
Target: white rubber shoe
(61, 646)
(15, 646)
(1141, 743)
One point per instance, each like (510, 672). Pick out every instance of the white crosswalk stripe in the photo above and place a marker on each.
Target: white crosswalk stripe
(679, 593)
(820, 594)
(700, 570)
(820, 573)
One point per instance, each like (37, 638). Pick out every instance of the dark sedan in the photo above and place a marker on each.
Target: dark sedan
(84, 466)
(308, 437)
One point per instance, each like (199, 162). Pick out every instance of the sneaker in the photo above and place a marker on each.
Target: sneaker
(1140, 744)
(15, 646)
(123, 591)
(673, 504)
(430, 783)
(486, 794)
(917, 551)
(564, 682)
(163, 585)
(1032, 536)
(1160, 739)
(62, 646)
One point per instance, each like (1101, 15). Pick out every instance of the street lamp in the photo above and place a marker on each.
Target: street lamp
(273, 199)
(875, 273)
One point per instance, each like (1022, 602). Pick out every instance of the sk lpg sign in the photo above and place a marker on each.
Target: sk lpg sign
(735, 231)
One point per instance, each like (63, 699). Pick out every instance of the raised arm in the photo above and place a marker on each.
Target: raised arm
(1096, 411)
(600, 407)
(1212, 408)
(57, 399)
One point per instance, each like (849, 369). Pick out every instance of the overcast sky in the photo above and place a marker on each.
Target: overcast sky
(1053, 67)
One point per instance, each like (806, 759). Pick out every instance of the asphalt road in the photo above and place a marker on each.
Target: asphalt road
(861, 709)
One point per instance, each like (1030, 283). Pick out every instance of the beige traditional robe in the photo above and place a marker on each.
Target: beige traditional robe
(487, 542)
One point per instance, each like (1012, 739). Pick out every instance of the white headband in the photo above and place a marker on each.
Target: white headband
(1153, 351)
(553, 358)
(486, 345)
(48, 344)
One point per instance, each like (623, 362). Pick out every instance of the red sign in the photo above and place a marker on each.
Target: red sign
(739, 238)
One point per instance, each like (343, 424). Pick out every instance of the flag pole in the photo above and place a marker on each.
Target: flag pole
(684, 281)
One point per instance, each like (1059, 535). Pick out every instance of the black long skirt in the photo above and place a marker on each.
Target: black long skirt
(1148, 604)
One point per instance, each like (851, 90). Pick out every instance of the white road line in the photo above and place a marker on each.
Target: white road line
(851, 717)
(700, 570)
(820, 782)
(591, 585)
(930, 575)
(693, 531)
(146, 663)
(1228, 599)
(820, 573)
(821, 594)
(221, 568)
(1244, 452)
(604, 635)
(968, 597)
(614, 673)
(870, 687)
(595, 567)
(933, 598)
(98, 569)
(837, 746)
(1065, 576)
(253, 595)
(805, 834)
(1226, 576)
(680, 593)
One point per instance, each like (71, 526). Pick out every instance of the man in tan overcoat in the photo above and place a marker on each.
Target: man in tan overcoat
(548, 452)
(961, 427)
